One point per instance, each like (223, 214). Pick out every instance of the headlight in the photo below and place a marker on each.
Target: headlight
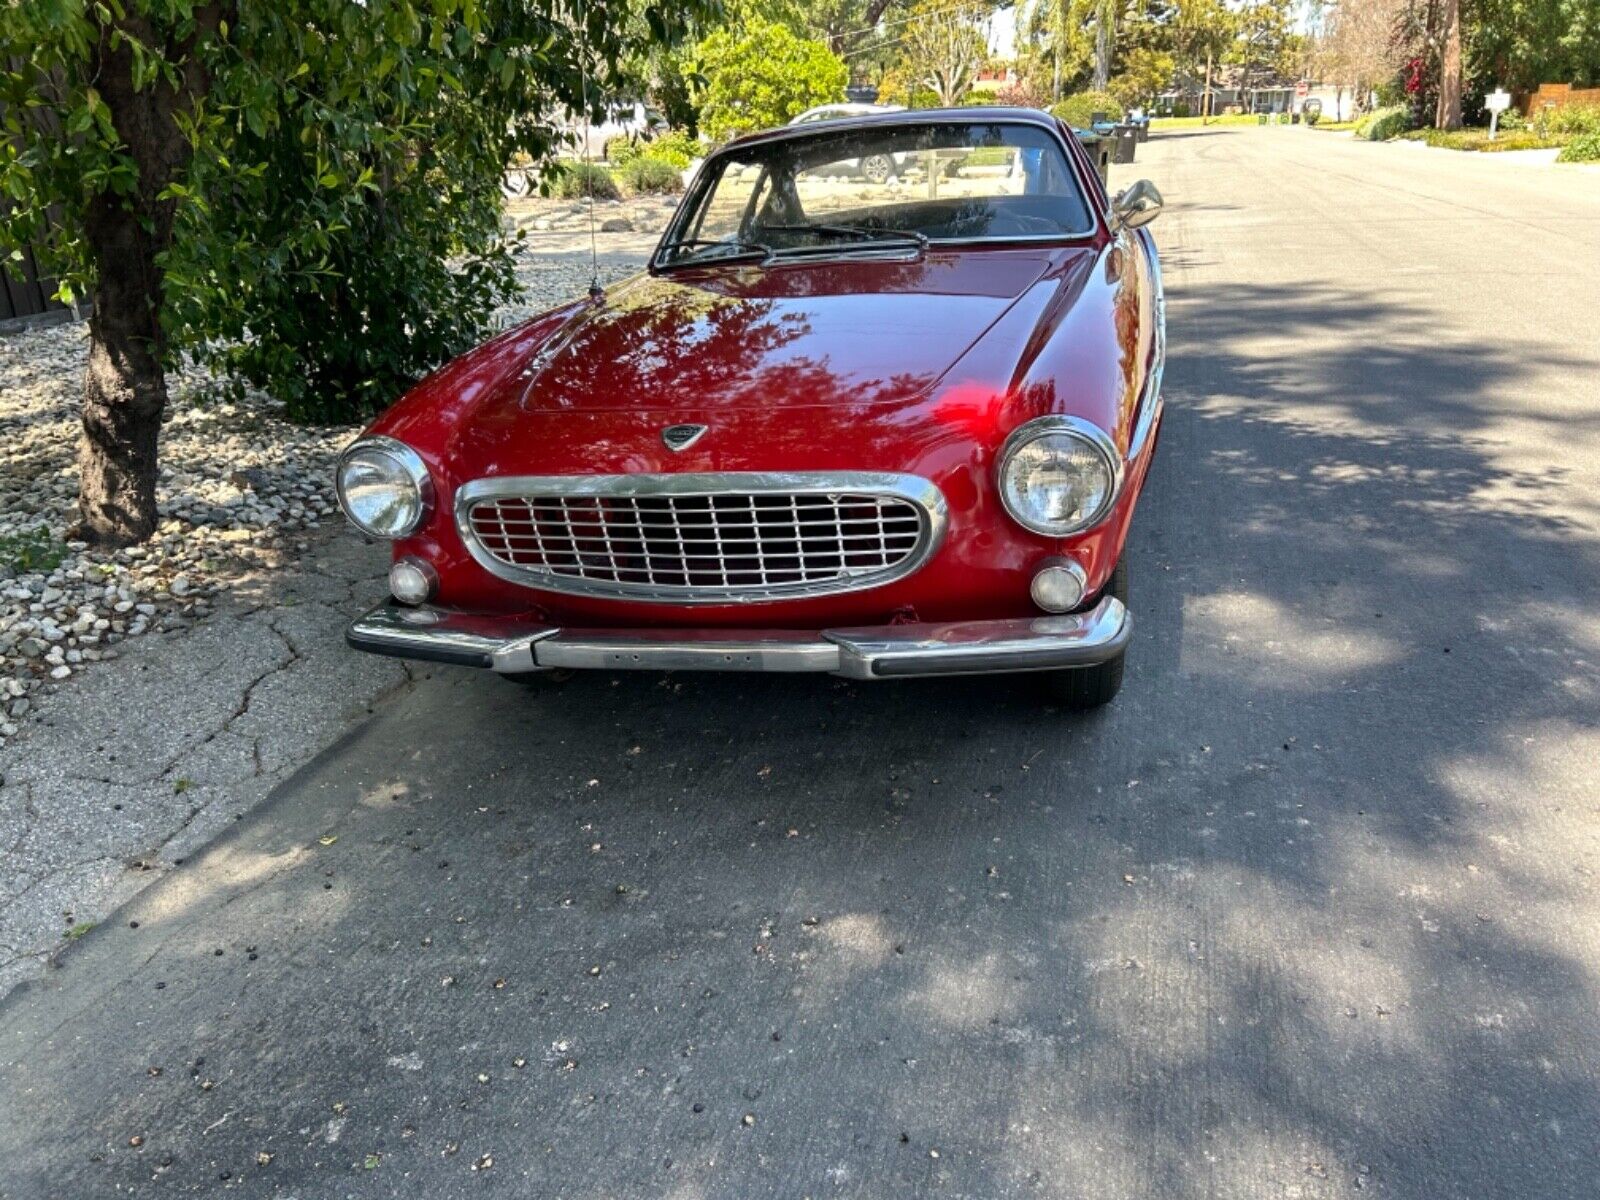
(384, 487)
(1059, 475)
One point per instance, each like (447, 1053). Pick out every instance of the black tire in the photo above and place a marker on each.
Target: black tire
(877, 167)
(1090, 687)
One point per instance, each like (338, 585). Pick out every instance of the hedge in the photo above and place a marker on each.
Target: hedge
(576, 179)
(650, 174)
(1078, 111)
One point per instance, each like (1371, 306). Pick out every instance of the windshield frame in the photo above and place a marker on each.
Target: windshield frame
(710, 172)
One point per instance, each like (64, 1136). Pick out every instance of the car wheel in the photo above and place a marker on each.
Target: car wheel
(1090, 687)
(877, 167)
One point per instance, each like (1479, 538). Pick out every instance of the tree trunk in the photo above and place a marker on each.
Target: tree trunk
(1448, 113)
(1104, 19)
(124, 385)
(1205, 96)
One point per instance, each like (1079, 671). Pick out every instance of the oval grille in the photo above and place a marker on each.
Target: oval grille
(711, 545)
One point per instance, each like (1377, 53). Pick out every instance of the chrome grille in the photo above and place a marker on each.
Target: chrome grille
(702, 538)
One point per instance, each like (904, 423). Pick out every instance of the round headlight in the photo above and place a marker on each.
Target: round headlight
(1059, 475)
(384, 487)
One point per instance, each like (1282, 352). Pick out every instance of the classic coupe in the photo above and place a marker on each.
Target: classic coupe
(876, 428)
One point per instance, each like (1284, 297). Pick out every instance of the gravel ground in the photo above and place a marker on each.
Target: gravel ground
(240, 487)
(111, 777)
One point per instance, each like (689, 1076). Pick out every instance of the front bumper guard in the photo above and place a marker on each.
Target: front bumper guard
(512, 646)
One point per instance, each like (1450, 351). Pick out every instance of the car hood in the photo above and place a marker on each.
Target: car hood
(847, 331)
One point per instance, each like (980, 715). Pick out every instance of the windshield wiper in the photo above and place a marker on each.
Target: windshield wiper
(863, 233)
(741, 249)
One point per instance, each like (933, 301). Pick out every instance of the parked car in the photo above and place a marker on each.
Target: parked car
(876, 168)
(882, 431)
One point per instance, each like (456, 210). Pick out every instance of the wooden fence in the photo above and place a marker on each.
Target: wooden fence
(25, 296)
(1558, 95)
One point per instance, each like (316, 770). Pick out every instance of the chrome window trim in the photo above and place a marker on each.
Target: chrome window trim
(923, 494)
(702, 182)
(413, 466)
(1150, 402)
(1039, 427)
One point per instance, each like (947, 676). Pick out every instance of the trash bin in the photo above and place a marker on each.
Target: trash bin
(1097, 119)
(1125, 138)
(1144, 129)
(1099, 150)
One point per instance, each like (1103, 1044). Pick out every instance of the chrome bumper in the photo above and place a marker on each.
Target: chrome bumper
(513, 647)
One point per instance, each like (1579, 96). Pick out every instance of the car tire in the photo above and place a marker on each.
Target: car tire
(1089, 687)
(877, 168)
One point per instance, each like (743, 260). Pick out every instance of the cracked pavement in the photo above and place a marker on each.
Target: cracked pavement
(130, 771)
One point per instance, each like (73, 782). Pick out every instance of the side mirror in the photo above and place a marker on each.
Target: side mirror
(1135, 205)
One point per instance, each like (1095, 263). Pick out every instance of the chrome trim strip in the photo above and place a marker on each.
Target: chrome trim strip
(1032, 430)
(409, 460)
(980, 647)
(622, 651)
(922, 493)
(1151, 402)
(510, 645)
(435, 634)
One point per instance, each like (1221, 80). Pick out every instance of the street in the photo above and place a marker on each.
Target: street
(1311, 910)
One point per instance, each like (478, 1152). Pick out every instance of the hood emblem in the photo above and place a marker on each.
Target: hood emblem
(681, 437)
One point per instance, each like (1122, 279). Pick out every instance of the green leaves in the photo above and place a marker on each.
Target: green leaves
(334, 213)
(761, 75)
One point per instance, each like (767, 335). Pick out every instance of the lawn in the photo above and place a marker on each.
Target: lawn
(1157, 123)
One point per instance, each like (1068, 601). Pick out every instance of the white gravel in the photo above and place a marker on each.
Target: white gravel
(240, 489)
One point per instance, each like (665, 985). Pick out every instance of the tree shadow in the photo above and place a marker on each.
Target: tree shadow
(1300, 914)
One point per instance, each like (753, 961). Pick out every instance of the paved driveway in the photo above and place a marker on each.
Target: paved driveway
(1311, 911)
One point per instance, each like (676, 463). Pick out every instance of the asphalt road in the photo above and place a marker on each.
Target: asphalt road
(1311, 911)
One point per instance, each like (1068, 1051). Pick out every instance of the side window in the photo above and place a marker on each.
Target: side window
(1096, 186)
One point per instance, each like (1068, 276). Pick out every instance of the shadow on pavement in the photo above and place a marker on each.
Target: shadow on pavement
(1292, 918)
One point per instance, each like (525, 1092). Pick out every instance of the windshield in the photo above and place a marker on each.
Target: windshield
(871, 188)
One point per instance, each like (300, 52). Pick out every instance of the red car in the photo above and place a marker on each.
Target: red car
(874, 428)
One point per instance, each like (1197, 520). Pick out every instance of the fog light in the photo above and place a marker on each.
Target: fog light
(412, 581)
(1059, 586)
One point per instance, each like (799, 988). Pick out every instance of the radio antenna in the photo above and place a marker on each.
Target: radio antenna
(596, 292)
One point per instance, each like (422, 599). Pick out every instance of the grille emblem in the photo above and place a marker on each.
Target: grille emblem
(681, 437)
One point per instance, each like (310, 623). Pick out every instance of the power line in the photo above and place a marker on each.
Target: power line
(969, 5)
(876, 47)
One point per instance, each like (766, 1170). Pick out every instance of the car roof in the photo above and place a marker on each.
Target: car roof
(850, 108)
(970, 114)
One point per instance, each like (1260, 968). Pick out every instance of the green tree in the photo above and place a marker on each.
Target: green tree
(1520, 44)
(761, 75)
(942, 49)
(285, 138)
(1203, 32)
(1265, 47)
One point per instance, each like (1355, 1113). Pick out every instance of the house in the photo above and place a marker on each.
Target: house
(1229, 93)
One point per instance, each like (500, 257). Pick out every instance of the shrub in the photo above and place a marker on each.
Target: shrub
(1511, 121)
(1583, 148)
(621, 149)
(650, 175)
(676, 146)
(576, 179)
(1574, 118)
(1079, 110)
(761, 75)
(1381, 124)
